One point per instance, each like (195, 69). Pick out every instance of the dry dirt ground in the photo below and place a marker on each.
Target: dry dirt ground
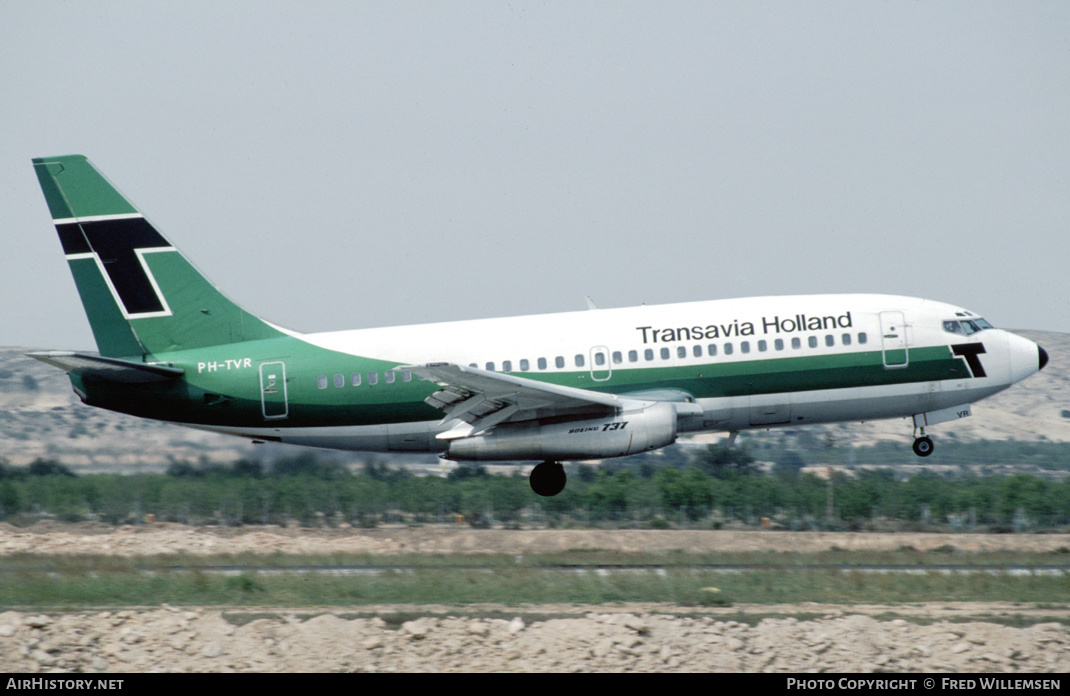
(617, 638)
(50, 537)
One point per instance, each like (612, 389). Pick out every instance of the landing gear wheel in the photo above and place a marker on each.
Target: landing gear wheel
(923, 446)
(547, 479)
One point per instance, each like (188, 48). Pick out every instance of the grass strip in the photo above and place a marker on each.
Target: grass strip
(89, 582)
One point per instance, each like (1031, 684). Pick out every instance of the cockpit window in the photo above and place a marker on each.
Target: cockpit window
(965, 327)
(953, 327)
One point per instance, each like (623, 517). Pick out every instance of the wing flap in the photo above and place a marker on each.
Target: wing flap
(476, 400)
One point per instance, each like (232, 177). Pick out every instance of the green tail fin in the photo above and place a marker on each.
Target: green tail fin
(142, 296)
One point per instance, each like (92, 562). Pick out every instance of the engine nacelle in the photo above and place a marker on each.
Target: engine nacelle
(594, 438)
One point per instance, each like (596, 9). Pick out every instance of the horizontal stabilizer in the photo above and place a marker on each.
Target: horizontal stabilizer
(110, 369)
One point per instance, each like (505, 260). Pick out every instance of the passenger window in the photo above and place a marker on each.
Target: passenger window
(664, 353)
(830, 340)
(744, 346)
(862, 337)
(559, 361)
(373, 378)
(524, 365)
(762, 346)
(542, 363)
(354, 379)
(490, 367)
(712, 349)
(697, 351)
(796, 343)
(507, 365)
(406, 376)
(389, 374)
(812, 341)
(599, 358)
(617, 357)
(779, 344)
(579, 360)
(728, 349)
(339, 380)
(847, 339)
(321, 381)
(633, 356)
(648, 354)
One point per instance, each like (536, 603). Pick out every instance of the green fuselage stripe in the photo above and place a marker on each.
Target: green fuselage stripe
(225, 389)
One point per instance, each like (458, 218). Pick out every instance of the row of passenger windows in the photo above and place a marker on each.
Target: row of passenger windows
(599, 358)
(371, 378)
(665, 353)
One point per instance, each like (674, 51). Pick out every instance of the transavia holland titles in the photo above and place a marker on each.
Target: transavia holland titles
(736, 328)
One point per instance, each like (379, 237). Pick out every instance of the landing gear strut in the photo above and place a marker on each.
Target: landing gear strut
(923, 446)
(547, 479)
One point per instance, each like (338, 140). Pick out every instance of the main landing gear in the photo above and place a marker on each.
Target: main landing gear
(923, 446)
(548, 478)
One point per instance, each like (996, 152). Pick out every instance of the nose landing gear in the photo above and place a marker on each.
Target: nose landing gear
(923, 446)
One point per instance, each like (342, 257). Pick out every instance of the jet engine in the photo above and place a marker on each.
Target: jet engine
(617, 435)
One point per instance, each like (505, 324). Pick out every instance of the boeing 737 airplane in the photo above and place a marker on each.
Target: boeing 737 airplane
(549, 388)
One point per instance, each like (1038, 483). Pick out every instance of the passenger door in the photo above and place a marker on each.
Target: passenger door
(894, 341)
(273, 399)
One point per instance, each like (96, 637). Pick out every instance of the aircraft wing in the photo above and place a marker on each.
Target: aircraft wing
(110, 369)
(479, 399)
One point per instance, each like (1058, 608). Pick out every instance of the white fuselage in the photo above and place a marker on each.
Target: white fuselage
(740, 364)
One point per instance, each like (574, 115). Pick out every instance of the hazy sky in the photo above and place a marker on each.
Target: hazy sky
(337, 165)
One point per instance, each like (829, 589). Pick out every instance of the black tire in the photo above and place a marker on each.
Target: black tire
(923, 447)
(547, 479)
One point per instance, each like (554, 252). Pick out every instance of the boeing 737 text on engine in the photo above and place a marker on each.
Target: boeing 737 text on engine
(547, 388)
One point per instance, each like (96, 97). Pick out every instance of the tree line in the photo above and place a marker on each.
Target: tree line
(714, 487)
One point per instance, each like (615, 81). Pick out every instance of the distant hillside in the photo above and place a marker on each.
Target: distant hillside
(40, 416)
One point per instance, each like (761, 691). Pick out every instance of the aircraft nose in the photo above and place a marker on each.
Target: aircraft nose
(1025, 357)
